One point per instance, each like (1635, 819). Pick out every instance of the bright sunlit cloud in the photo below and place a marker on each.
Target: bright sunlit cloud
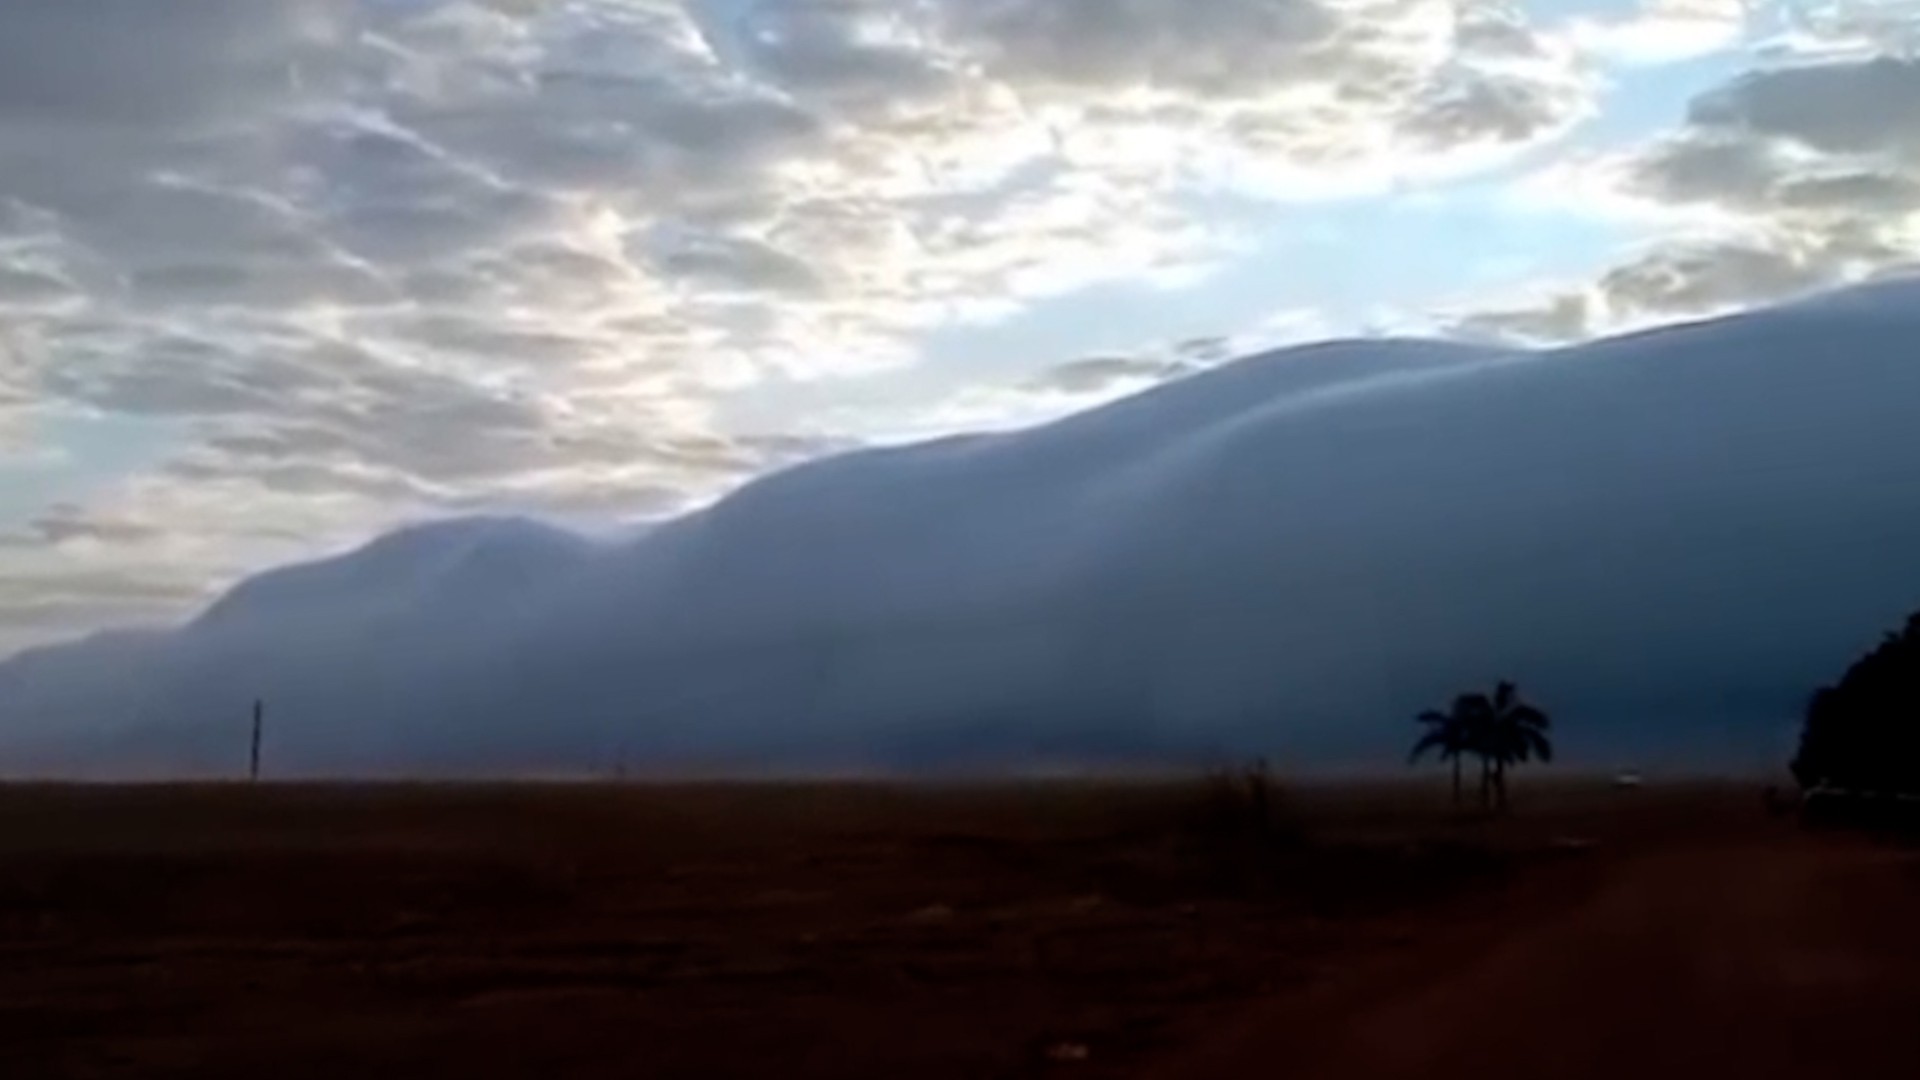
(277, 273)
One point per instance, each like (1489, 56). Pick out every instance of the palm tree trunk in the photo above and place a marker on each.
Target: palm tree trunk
(1456, 781)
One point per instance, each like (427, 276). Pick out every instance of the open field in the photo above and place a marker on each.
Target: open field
(841, 930)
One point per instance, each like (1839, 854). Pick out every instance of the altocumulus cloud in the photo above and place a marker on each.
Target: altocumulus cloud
(1799, 173)
(357, 262)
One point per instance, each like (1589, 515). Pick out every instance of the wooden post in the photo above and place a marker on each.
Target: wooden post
(253, 761)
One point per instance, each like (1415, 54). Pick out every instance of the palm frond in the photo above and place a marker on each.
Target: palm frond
(1541, 747)
(1527, 716)
(1472, 706)
(1504, 696)
(1433, 740)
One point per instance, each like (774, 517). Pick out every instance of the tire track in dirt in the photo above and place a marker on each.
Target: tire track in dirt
(1793, 956)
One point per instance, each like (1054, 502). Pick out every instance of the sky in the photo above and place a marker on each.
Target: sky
(278, 274)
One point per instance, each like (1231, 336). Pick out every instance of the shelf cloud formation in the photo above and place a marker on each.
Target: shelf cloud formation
(278, 276)
(1671, 537)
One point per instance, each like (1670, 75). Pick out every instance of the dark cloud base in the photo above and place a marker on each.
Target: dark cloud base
(1670, 538)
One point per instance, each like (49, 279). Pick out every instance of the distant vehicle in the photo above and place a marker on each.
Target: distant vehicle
(1627, 780)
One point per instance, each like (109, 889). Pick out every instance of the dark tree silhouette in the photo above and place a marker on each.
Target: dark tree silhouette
(1516, 734)
(1501, 730)
(1863, 733)
(1451, 734)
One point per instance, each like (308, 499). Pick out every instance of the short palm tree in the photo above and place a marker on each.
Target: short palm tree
(1516, 733)
(1453, 734)
(1501, 730)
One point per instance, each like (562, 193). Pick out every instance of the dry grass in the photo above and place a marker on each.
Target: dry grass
(701, 930)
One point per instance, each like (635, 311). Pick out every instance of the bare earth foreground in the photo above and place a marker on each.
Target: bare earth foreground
(841, 930)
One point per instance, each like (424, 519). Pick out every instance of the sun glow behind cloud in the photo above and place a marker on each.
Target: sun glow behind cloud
(302, 269)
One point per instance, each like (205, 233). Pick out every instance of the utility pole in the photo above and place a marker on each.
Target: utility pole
(253, 761)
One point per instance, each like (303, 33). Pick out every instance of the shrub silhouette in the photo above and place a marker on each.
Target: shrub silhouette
(1243, 802)
(1863, 733)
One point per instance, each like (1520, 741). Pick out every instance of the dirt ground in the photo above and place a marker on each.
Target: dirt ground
(841, 930)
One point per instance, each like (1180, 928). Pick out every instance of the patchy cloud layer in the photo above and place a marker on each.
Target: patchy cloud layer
(1800, 173)
(354, 261)
(275, 273)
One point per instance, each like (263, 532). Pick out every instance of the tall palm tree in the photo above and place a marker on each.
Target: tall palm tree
(1515, 733)
(1454, 734)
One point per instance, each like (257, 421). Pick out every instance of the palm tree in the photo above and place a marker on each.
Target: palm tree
(1454, 734)
(1515, 733)
(1500, 730)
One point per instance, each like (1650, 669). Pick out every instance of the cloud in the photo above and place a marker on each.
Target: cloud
(46, 602)
(712, 261)
(1102, 374)
(1667, 31)
(1296, 536)
(853, 59)
(1816, 168)
(1865, 107)
(1553, 319)
(1847, 27)
(400, 257)
(1003, 403)
(118, 64)
(1781, 180)
(1224, 50)
(1706, 279)
(1288, 97)
(64, 523)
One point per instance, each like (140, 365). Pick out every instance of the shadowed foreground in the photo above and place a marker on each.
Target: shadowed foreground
(1750, 957)
(851, 931)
